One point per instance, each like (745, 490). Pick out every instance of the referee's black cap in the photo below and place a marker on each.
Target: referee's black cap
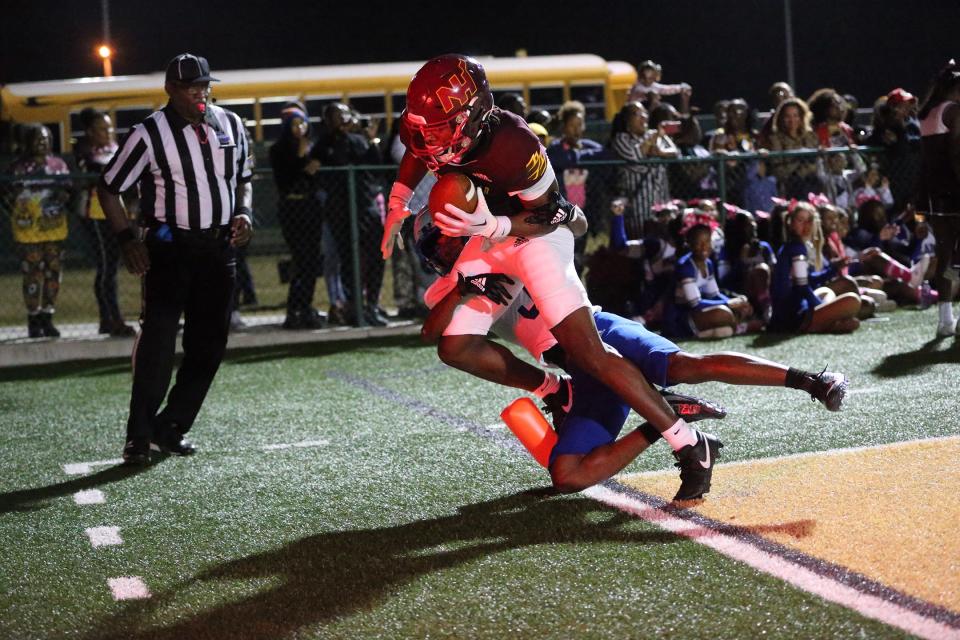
(187, 67)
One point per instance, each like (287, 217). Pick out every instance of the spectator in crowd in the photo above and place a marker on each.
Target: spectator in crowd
(797, 306)
(542, 134)
(514, 103)
(541, 117)
(699, 309)
(873, 186)
(791, 131)
(860, 132)
(695, 179)
(736, 134)
(641, 186)
(300, 214)
(720, 108)
(39, 223)
(895, 127)
(410, 278)
(565, 154)
(883, 251)
(778, 92)
(745, 263)
(759, 187)
(839, 180)
(245, 292)
(648, 85)
(93, 152)
(337, 146)
(828, 109)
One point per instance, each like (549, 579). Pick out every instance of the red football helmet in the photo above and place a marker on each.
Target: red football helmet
(447, 102)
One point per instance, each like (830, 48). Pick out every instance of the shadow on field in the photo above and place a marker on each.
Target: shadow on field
(318, 349)
(87, 368)
(766, 339)
(30, 499)
(324, 577)
(929, 354)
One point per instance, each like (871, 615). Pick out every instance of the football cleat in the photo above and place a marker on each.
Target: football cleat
(136, 453)
(692, 409)
(696, 462)
(830, 389)
(559, 403)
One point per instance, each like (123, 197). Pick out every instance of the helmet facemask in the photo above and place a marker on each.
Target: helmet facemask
(446, 142)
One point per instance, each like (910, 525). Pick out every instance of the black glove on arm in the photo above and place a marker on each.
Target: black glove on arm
(491, 285)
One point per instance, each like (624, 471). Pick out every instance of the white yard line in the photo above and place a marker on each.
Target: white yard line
(296, 445)
(128, 588)
(89, 496)
(104, 536)
(790, 572)
(78, 468)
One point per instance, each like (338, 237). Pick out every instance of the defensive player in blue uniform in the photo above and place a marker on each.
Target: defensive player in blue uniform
(588, 451)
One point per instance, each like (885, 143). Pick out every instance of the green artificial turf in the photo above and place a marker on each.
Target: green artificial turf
(415, 519)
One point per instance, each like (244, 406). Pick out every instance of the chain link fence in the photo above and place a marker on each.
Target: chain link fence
(315, 257)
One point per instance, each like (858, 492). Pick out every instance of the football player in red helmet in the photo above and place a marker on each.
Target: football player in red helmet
(450, 124)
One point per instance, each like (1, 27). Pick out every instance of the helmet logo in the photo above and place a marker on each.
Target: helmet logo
(461, 89)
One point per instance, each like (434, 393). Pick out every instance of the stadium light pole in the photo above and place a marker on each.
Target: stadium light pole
(788, 39)
(104, 50)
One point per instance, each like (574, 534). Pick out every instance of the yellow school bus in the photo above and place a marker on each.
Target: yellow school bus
(254, 93)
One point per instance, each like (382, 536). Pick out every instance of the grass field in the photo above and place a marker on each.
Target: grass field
(362, 489)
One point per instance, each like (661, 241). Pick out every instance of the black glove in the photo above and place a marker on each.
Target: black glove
(492, 285)
(557, 211)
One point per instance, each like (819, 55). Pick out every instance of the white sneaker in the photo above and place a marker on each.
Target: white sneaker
(945, 330)
(236, 322)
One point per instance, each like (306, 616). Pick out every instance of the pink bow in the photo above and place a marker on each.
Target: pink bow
(818, 199)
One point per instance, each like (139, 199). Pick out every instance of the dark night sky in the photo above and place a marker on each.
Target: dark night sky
(723, 48)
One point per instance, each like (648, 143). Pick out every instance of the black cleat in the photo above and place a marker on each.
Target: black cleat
(830, 389)
(696, 462)
(172, 441)
(559, 403)
(692, 409)
(136, 454)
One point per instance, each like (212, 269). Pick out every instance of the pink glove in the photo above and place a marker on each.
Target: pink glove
(397, 212)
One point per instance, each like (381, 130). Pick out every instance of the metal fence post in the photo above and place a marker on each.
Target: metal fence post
(722, 179)
(355, 247)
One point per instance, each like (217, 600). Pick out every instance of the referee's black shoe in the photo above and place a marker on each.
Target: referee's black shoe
(136, 453)
(171, 440)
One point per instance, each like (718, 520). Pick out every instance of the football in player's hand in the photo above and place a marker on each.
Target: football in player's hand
(456, 189)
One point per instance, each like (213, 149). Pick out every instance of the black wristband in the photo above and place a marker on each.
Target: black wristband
(125, 235)
(243, 211)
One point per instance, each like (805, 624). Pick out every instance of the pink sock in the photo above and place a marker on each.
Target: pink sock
(897, 271)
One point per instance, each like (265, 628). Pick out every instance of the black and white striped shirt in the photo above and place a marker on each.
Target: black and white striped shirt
(187, 173)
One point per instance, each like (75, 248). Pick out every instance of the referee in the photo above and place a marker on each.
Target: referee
(190, 160)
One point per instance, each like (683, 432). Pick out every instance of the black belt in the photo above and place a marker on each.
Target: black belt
(212, 233)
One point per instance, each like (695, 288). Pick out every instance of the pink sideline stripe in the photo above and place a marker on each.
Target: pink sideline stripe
(794, 574)
(128, 588)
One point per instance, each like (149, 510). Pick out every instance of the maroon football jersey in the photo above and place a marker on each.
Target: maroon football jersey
(509, 163)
